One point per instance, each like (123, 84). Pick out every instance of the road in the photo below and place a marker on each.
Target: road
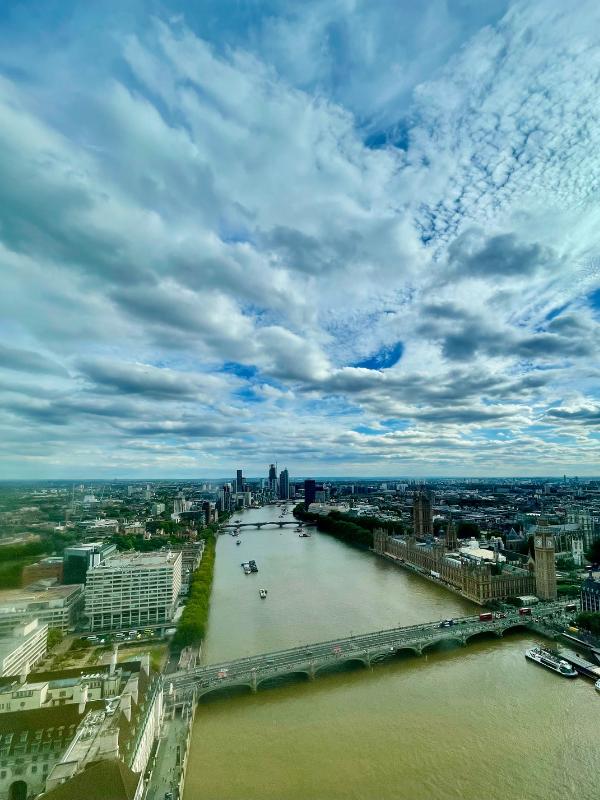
(165, 776)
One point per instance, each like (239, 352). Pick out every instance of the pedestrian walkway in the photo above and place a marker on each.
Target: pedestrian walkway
(169, 758)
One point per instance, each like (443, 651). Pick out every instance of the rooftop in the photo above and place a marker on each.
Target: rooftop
(14, 597)
(102, 780)
(158, 558)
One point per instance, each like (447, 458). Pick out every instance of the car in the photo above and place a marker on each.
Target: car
(222, 673)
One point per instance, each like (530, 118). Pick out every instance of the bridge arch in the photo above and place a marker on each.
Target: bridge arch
(486, 634)
(215, 692)
(456, 639)
(405, 650)
(281, 680)
(517, 627)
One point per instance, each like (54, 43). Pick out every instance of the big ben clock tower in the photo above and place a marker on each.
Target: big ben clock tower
(545, 568)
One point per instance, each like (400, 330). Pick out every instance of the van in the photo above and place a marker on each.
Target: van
(525, 612)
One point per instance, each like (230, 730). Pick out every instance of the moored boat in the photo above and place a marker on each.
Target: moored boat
(551, 662)
(597, 686)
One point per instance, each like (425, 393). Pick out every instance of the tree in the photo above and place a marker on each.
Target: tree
(55, 636)
(589, 621)
(593, 554)
(467, 529)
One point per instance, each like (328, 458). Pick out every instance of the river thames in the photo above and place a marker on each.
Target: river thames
(461, 723)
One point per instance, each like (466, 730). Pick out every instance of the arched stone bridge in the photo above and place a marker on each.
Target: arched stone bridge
(367, 649)
(274, 522)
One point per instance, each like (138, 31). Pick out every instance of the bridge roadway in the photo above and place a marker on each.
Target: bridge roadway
(365, 648)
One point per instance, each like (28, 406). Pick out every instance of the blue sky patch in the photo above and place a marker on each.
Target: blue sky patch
(383, 359)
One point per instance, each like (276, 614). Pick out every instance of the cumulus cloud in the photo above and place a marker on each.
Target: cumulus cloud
(357, 238)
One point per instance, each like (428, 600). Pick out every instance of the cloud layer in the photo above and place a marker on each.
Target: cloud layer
(360, 240)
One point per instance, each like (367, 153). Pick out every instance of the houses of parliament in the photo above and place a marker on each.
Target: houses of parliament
(476, 579)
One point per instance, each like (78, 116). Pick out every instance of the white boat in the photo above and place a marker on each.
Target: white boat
(551, 662)
(262, 593)
(597, 685)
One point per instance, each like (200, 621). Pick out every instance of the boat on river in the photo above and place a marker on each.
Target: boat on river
(304, 535)
(262, 593)
(597, 686)
(239, 541)
(551, 662)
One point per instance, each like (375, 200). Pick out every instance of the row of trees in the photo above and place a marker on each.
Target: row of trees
(192, 623)
(354, 530)
(589, 621)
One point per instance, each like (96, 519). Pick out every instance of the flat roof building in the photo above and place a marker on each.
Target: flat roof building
(57, 606)
(131, 590)
(51, 567)
(23, 648)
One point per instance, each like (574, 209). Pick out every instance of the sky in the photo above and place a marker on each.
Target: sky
(355, 237)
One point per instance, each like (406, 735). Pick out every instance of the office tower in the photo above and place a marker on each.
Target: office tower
(310, 490)
(239, 481)
(132, 589)
(284, 485)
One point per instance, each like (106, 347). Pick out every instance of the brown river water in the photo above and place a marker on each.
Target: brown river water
(472, 723)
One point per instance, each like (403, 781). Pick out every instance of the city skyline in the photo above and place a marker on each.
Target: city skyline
(253, 235)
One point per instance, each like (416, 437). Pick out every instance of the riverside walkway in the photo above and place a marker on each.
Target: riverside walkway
(367, 649)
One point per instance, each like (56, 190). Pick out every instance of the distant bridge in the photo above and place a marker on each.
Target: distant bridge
(366, 649)
(274, 522)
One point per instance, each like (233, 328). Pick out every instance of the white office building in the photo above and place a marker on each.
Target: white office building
(23, 647)
(133, 590)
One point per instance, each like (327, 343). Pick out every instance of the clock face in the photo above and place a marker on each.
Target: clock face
(538, 541)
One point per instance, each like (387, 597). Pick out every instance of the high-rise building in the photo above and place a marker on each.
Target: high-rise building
(284, 485)
(422, 516)
(545, 567)
(225, 503)
(239, 481)
(310, 491)
(273, 479)
(132, 589)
